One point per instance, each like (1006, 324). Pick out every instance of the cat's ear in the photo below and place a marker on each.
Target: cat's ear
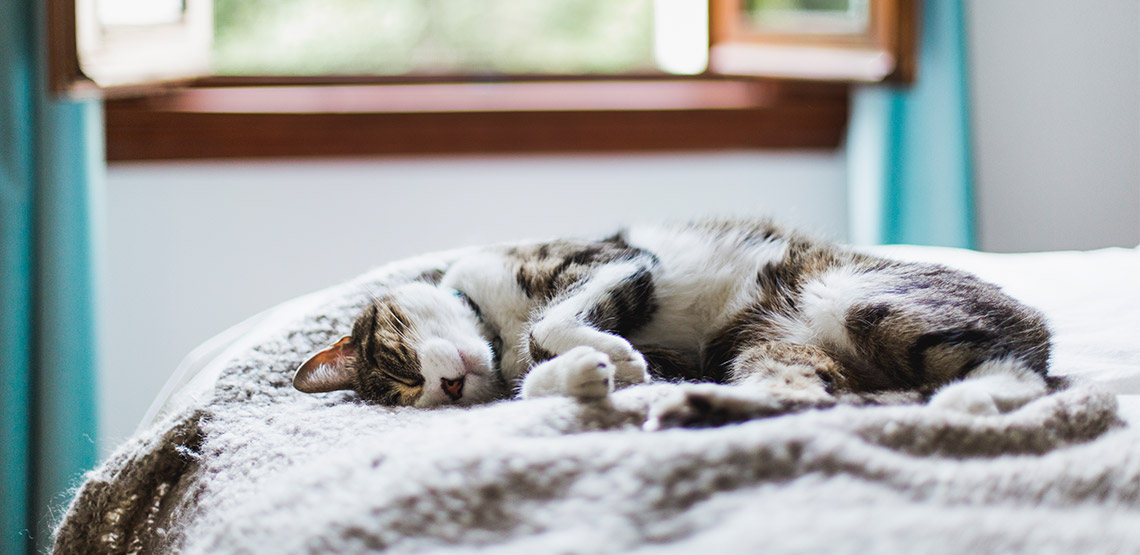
(327, 370)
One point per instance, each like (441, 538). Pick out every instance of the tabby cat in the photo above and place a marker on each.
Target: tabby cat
(741, 303)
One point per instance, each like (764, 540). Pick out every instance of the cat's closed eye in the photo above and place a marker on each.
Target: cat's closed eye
(405, 381)
(401, 390)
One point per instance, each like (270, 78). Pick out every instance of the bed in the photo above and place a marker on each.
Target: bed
(233, 460)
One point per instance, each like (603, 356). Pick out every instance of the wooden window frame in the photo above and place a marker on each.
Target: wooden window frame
(463, 118)
(885, 52)
(85, 60)
(273, 117)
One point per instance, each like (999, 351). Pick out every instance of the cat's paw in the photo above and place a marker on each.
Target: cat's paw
(632, 369)
(796, 382)
(587, 373)
(994, 387)
(966, 397)
(707, 405)
(582, 372)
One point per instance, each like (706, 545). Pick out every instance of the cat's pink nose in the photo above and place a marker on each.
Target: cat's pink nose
(453, 388)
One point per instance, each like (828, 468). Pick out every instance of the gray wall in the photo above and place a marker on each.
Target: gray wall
(1056, 108)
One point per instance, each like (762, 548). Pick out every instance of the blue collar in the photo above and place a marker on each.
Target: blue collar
(467, 300)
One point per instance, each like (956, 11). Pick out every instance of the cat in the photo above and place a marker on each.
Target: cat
(745, 304)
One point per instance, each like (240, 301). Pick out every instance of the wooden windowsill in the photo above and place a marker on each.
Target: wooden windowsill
(437, 118)
(475, 97)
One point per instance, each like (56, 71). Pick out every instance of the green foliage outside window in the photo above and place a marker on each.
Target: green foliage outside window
(400, 37)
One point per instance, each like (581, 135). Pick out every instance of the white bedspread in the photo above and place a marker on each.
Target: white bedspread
(241, 463)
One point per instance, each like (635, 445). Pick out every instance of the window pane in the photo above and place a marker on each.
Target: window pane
(139, 12)
(434, 37)
(825, 17)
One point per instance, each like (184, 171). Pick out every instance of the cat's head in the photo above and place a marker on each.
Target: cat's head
(418, 345)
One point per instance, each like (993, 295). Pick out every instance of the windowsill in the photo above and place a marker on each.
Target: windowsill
(557, 116)
(551, 96)
(860, 65)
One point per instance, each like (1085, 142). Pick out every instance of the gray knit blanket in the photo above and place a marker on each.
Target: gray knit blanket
(257, 467)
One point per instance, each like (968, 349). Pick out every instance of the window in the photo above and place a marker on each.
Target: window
(844, 40)
(482, 38)
(600, 75)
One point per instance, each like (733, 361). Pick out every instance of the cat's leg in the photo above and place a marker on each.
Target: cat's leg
(551, 339)
(802, 372)
(765, 379)
(615, 301)
(993, 387)
(582, 372)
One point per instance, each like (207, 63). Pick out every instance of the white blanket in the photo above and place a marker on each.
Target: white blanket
(256, 467)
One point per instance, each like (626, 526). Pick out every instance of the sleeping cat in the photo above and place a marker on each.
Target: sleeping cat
(746, 304)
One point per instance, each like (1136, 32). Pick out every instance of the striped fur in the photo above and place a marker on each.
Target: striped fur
(732, 302)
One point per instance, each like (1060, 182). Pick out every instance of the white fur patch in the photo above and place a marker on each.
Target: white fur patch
(825, 303)
(704, 280)
(488, 280)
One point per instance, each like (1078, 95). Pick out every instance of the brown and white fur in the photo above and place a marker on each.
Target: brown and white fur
(746, 304)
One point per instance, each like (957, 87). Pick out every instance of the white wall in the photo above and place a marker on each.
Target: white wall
(195, 248)
(1056, 113)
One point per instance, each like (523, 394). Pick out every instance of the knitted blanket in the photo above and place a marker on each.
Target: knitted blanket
(260, 468)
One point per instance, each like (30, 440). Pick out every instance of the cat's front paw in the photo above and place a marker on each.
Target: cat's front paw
(582, 372)
(630, 366)
(632, 369)
(587, 373)
(708, 405)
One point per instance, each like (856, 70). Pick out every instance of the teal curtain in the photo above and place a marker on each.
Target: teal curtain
(910, 165)
(51, 168)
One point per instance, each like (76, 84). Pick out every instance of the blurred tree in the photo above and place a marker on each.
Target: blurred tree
(397, 37)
